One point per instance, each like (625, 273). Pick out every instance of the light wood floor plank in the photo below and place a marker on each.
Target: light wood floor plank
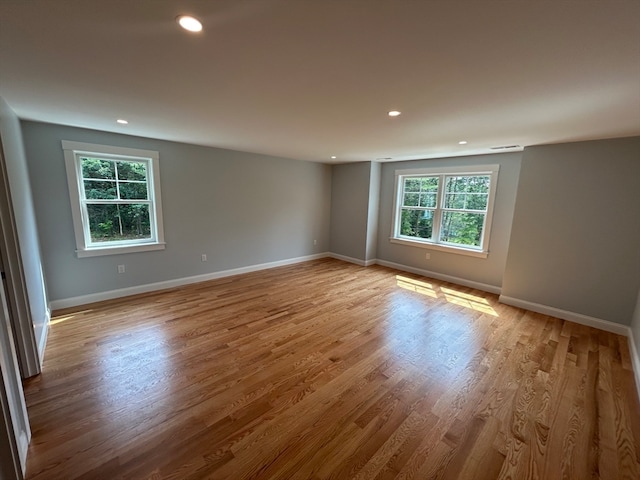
(328, 370)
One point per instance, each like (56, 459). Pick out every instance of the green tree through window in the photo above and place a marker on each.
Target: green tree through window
(116, 199)
(445, 208)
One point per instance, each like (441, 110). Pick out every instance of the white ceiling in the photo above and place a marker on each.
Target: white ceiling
(308, 79)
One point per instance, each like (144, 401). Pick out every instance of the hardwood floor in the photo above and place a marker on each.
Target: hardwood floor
(327, 370)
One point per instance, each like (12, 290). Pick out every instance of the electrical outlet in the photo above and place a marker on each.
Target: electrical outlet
(204, 257)
(427, 256)
(315, 242)
(120, 268)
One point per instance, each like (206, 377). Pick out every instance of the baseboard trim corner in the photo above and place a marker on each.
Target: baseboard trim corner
(357, 261)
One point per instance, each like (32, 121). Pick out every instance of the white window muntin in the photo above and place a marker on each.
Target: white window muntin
(400, 180)
(442, 173)
(85, 247)
(86, 202)
(444, 208)
(117, 181)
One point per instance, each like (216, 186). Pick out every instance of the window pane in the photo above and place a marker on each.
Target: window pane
(468, 193)
(133, 191)
(132, 171)
(416, 223)
(135, 219)
(429, 184)
(462, 228)
(478, 184)
(411, 199)
(428, 200)
(477, 201)
(96, 189)
(108, 223)
(470, 184)
(451, 200)
(96, 168)
(411, 184)
(456, 184)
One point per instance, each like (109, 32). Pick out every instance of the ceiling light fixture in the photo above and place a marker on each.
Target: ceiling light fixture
(394, 113)
(333, 157)
(189, 23)
(462, 142)
(122, 121)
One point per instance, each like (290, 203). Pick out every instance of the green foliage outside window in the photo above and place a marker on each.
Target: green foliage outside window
(122, 182)
(416, 223)
(461, 212)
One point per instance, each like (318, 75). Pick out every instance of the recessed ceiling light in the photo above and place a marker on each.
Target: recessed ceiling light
(333, 157)
(122, 121)
(189, 23)
(462, 142)
(394, 113)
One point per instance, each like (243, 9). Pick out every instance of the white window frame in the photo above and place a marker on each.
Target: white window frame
(435, 244)
(73, 151)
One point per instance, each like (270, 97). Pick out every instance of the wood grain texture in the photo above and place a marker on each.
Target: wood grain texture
(327, 370)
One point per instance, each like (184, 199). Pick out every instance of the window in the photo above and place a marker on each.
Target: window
(115, 199)
(445, 209)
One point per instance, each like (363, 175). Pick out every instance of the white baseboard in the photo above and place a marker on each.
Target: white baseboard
(635, 360)
(426, 273)
(598, 323)
(42, 341)
(535, 307)
(178, 282)
(440, 276)
(357, 261)
(23, 447)
(151, 287)
(605, 325)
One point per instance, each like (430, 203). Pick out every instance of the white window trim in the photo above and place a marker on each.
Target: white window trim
(492, 170)
(74, 177)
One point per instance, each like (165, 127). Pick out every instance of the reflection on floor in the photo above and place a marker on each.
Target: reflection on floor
(329, 370)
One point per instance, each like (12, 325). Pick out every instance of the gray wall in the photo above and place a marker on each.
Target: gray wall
(575, 242)
(29, 303)
(485, 271)
(245, 209)
(240, 209)
(350, 209)
(375, 174)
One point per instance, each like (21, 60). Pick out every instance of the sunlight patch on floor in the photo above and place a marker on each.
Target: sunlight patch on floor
(423, 288)
(466, 300)
(64, 318)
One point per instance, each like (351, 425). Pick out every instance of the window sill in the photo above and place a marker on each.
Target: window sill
(439, 247)
(113, 250)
